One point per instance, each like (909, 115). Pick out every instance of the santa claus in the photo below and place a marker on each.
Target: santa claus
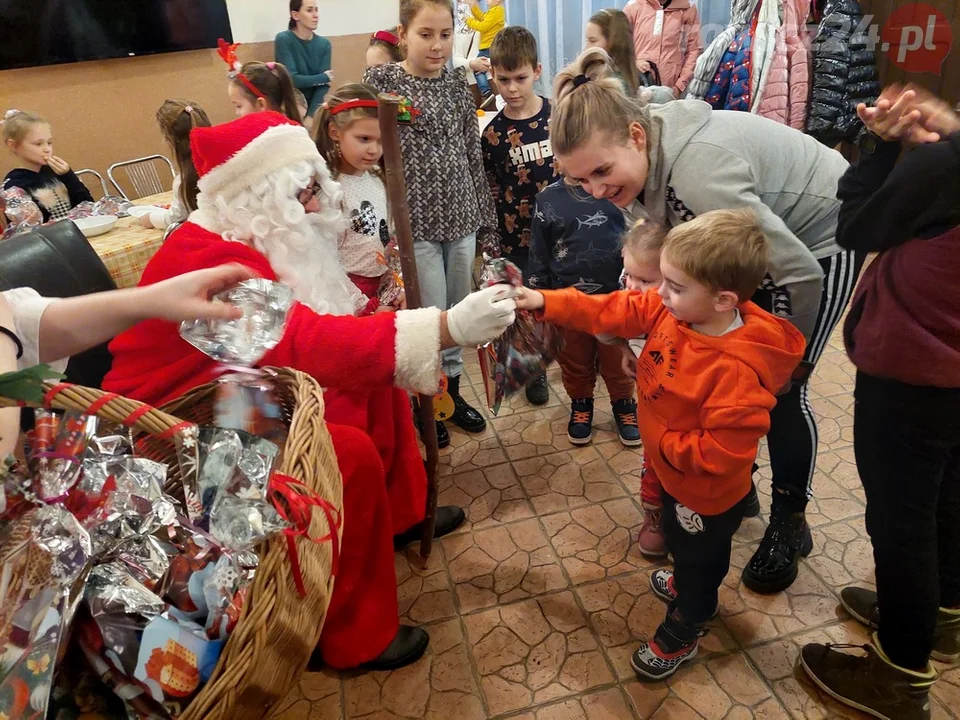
(267, 201)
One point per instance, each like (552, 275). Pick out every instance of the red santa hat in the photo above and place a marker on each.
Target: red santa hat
(233, 156)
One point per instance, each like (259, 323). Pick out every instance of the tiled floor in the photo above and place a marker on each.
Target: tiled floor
(535, 606)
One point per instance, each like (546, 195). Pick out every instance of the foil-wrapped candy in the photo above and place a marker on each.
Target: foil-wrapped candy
(266, 306)
(42, 553)
(523, 351)
(121, 607)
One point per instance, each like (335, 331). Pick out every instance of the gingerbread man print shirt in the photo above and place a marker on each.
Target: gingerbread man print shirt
(518, 159)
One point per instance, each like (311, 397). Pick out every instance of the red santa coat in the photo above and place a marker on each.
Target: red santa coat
(358, 361)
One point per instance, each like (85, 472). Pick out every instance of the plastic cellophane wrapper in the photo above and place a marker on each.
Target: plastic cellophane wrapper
(391, 282)
(89, 537)
(22, 212)
(524, 350)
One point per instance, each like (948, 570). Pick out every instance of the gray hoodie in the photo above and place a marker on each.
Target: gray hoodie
(703, 159)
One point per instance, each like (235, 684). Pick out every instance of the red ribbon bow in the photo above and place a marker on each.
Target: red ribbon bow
(294, 502)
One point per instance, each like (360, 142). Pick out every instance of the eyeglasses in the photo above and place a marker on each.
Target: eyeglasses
(308, 194)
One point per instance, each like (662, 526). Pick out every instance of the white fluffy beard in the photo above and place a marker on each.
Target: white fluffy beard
(301, 246)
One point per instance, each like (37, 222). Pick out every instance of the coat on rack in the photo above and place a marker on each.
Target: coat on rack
(844, 72)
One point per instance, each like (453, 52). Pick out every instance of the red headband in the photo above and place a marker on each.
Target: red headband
(228, 51)
(387, 37)
(351, 104)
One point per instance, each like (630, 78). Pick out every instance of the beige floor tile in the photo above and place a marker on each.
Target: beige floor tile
(491, 496)
(597, 541)
(317, 696)
(544, 431)
(567, 480)
(533, 652)
(438, 687)
(501, 564)
(425, 594)
(610, 704)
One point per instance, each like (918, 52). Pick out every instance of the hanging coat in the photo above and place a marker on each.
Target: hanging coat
(844, 72)
(786, 91)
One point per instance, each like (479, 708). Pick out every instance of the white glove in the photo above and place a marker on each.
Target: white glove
(482, 316)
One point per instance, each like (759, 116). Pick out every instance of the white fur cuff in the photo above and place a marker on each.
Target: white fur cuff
(418, 350)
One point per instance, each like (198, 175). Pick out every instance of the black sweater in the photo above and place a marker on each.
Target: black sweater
(56, 194)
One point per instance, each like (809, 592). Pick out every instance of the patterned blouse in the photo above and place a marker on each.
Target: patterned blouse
(447, 189)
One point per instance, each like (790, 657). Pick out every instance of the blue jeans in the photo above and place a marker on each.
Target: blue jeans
(482, 82)
(445, 271)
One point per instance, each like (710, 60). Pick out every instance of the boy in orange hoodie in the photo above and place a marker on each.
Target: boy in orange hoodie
(707, 379)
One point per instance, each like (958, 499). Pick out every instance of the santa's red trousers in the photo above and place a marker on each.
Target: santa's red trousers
(384, 493)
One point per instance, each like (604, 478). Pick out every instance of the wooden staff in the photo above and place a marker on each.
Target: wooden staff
(400, 213)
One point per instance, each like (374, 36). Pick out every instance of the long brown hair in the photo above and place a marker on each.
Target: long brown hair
(274, 81)
(176, 118)
(342, 120)
(582, 110)
(615, 27)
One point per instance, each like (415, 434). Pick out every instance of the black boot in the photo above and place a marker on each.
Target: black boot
(443, 437)
(464, 416)
(538, 392)
(449, 518)
(774, 565)
(407, 646)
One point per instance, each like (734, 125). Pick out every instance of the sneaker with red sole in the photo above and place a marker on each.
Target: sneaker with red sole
(652, 661)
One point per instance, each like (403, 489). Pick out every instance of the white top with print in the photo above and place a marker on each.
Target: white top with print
(361, 245)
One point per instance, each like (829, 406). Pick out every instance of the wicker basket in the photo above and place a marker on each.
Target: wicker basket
(278, 629)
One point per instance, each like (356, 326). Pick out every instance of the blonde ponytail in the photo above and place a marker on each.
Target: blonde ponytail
(589, 100)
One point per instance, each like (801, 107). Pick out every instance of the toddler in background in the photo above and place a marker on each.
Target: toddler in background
(609, 30)
(384, 48)
(347, 134)
(48, 179)
(488, 24)
(176, 119)
(576, 244)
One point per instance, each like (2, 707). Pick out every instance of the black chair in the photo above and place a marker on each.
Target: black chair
(56, 260)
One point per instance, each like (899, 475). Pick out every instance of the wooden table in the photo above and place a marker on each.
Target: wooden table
(127, 248)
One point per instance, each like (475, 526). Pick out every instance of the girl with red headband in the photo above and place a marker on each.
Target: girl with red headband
(384, 48)
(259, 86)
(347, 133)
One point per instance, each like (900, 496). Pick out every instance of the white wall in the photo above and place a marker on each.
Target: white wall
(260, 20)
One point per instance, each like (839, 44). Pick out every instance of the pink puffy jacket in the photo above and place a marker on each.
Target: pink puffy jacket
(786, 92)
(676, 48)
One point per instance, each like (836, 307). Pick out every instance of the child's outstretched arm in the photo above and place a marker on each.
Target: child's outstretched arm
(72, 325)
(624, 314)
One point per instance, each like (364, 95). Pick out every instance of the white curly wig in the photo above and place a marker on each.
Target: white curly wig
(301, 246)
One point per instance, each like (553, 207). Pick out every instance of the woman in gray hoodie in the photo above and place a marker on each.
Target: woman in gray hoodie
(683, 159)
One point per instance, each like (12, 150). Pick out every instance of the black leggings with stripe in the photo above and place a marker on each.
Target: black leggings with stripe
(793, 439)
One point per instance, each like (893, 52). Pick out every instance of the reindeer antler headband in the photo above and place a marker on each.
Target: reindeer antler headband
(228, 52)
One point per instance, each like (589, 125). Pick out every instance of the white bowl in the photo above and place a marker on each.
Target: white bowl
(96, 225)
(138, 211)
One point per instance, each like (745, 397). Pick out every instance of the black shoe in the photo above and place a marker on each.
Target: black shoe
(862, 606)
(773, 566)
(625, 415)
(580, 427)
(870, 683)
(464, 416)
(751, 507)
(443, 437)
(538, 392)
(407, 646)
(449, 518)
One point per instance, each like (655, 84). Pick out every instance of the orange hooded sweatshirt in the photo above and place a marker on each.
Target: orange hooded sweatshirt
(704, 401)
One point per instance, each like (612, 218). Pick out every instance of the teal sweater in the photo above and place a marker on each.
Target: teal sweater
(308, 62)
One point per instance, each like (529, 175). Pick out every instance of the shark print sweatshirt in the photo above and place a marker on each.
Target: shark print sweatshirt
(575, 241)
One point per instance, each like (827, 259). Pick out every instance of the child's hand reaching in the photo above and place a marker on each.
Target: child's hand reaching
(528, 299)
(58, 165)
(188, 296)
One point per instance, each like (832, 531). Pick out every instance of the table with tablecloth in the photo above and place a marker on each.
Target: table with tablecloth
(127, 248)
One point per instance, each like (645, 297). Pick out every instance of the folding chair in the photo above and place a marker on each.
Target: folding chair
(98, 176)
(142, 174)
